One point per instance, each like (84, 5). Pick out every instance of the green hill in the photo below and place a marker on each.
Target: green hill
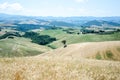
(75, 38)
(20, 47)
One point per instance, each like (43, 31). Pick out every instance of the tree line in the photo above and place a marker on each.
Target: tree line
(10, 35)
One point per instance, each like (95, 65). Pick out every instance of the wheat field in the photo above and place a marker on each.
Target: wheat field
(58, 68)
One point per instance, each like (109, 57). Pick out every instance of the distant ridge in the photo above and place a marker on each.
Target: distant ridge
(73, 21)
(100, 23)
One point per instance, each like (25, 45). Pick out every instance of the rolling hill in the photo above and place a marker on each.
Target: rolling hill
(20, 47)
(86, 57)
(24, 46)
(66, 63)
(109, 50)
(58, 21)
(60, 35)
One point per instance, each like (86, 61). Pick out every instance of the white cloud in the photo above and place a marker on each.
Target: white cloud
(10, 8)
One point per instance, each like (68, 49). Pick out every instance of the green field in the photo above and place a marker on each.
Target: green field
(75, 38)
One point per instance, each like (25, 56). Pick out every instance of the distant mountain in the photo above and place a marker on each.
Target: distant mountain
(94, 22)
(100, 23)
(12, 17)
(61, 23)
(81, 20)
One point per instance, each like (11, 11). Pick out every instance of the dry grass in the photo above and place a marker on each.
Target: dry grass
(65, 64)
(58, 68)
(108, 50)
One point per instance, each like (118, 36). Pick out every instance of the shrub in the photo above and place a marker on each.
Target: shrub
(98, 56)
(51, 46)
(109, 54)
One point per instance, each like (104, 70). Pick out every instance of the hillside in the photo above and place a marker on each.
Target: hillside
(20, 47)
(109, 50)
(60, 35)
(70, 63)
(25, 47)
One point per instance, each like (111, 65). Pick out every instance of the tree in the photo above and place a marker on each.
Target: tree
(78, 33)
(118, 30)
(64, 43)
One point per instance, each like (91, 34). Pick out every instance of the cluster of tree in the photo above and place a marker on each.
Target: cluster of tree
(39, 39)
(10, 35)
(70, 31)
(86, 31)
(55, 28)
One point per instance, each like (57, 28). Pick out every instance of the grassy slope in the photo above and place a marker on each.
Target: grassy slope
(74, 38)
(108, 50)
(20, 47)
(23, 47)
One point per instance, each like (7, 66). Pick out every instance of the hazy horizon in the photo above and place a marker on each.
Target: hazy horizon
(53, 16)
(62, 8)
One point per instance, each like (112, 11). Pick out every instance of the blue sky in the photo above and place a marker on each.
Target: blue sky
(61, 7)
